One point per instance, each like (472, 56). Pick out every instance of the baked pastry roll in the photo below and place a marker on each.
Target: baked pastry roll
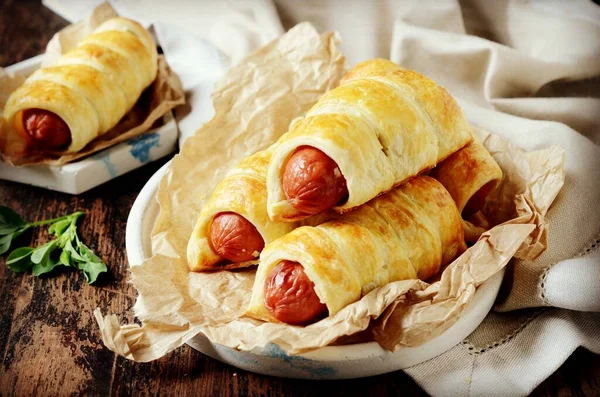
(65, 106)
(381, 126)
(407, 233)
(233, 226)
(469, 175)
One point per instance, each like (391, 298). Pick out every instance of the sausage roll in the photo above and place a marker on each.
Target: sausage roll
(65, 106)
(469, 175)
(312, 272)
(233, 226)
(381, 126)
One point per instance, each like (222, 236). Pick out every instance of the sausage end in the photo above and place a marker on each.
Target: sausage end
(46, 129)
(234, 238)
(290, 295)
(313, 182)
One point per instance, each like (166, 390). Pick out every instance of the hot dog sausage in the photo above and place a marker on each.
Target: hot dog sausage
(46, 128)
(235, 238)
(313, 182)
(290, 295)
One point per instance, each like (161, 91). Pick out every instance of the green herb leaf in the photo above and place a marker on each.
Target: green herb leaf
(59, 227)
(87, 253)
(5, 243)
(92, 266)
(8, 230)
(9, 219)
(45, 266)
(11, 226)
(74, 254)
(20, 259)
(65, 258)
(42, 254)
(92, 270)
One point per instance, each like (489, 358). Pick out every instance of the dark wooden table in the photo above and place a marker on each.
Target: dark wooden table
(49, 341)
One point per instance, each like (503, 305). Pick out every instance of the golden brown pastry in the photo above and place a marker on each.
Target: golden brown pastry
(312, 272)
(65, 106)
(469, 175)
(381, 126)
(233, 226)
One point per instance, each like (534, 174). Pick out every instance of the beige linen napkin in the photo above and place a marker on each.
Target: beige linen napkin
(534, 61)
(235, 28)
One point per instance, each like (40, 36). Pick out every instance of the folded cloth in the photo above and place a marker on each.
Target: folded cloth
(526, 70)
(198, 65)
(528, 75)
(234, 27)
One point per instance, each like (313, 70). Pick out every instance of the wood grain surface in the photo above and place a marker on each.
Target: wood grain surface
(49, 341)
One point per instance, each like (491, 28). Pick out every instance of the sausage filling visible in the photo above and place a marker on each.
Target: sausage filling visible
(290, 295)
(46, 128)
(234, 238)
(313, 182)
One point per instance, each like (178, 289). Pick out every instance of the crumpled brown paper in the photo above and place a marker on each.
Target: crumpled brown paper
(254, 104)
(531, 182)
(164, 94)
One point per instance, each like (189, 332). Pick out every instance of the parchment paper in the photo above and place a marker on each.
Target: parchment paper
(254, 104)
(164, 94)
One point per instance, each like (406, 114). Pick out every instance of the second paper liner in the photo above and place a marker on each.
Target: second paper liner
(254, 103)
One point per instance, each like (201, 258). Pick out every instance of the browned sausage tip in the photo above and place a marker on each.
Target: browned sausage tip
(313, 182)
(46, 128)
(290, 295)
(234, 238)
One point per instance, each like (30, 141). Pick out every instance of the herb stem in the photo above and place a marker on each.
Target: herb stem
(74, 215)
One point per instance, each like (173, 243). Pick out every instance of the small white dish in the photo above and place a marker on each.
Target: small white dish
(98, 168)
(331, 362)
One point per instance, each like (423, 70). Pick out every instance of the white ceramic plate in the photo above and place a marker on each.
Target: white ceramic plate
(331, 362)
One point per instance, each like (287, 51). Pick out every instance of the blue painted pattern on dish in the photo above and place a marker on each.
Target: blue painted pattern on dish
(141, 146)
(316, 369)
(241, 358)
(274, 361)
(104, 158)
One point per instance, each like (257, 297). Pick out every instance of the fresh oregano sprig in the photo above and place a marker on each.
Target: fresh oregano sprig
(65, 250)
